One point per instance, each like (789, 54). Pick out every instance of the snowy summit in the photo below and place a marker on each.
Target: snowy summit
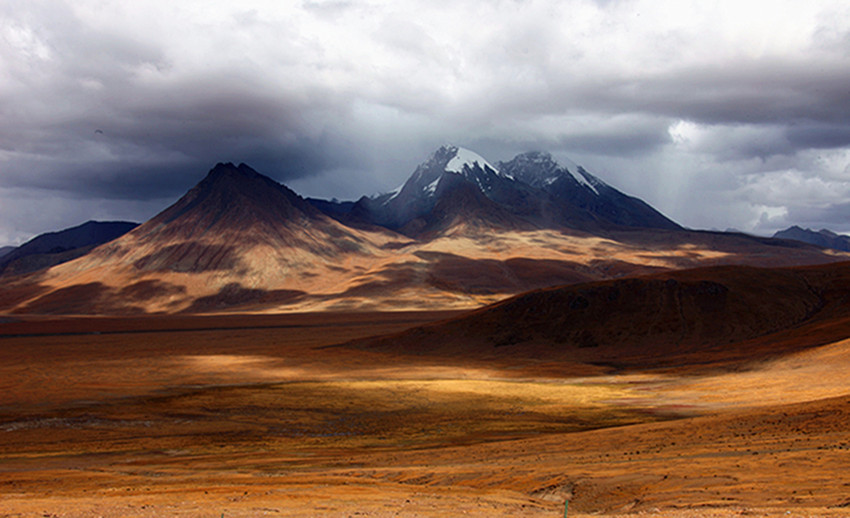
(464, 157)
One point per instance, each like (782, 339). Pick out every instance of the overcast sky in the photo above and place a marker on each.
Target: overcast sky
(720, 114)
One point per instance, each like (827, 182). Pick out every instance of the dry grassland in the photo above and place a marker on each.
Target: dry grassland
(251, 416)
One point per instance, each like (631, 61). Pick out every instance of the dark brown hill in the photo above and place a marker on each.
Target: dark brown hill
(672, 318)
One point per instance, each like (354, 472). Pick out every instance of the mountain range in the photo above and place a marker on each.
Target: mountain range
(825, 238)
(52, 248)
(456, 186)
(459, 233)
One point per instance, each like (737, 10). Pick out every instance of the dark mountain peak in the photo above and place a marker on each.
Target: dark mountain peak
(581, 196)
(431, 180)
(222, 168)
(540, 160)
(230, 168)
(225, 175)
(539, 169)
(231, 198)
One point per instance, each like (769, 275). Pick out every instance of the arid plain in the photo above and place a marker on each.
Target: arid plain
(304, 415)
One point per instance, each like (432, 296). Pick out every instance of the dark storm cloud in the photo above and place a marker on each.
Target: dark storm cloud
(94, 113)
(627, 142)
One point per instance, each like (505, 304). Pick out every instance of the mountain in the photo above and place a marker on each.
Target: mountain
(52, 248)
(529, 191)
(573, 186)
(823, 237)
(236, 238)
(410, 208)
(5, 250)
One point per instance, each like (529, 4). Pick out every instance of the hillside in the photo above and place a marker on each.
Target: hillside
(680, 318)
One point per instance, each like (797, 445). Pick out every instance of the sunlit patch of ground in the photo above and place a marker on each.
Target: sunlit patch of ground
(803, 376)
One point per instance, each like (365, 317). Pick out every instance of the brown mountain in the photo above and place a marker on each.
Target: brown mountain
(237, 238)
(233, 210)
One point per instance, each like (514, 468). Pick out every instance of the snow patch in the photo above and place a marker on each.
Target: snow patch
(465, 157)
(583, 180)
(395, 192)
(431, 188)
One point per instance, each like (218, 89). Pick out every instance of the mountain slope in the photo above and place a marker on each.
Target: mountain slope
(52, 248)
(823, 237)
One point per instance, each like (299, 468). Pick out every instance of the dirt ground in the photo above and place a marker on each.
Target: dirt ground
(243, 416)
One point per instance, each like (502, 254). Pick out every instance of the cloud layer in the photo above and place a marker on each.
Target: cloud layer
(721, 114)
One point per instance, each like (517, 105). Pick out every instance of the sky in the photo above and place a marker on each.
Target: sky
(722, 114)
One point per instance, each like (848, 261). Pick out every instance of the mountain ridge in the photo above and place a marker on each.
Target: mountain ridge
(824, 238)
(535, 189)
(53, 248)
(240, 241)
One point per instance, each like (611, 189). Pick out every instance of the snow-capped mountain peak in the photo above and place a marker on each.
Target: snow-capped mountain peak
(466, 158)
(448, 159)
(530, 189)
